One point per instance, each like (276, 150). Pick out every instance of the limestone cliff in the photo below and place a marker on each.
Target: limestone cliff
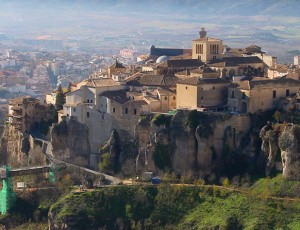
(189, 140)
(70, 142)
(280, 149)
(289, 144)
(269, 147)
(19, 149)
(118, 155)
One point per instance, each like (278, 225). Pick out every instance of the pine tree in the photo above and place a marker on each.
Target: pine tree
(60, 98)
(69, 88)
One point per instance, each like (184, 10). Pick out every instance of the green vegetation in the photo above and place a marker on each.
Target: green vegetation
(184, 207)
(105, 163)
(60, 98)
(162, 156)
(161, 119)
(144, 120)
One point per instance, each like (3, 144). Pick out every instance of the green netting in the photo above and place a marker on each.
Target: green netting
(52, 176)
(7, 194)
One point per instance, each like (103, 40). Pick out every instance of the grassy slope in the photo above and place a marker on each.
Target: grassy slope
(185, 207)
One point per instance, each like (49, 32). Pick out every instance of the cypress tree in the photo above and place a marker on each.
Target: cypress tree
(60, 98)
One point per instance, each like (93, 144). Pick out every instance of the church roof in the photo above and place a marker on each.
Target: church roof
(118, 65)
(181, 63)
(152, 80)
(198, 80)
(100, 82)
(234, 61)
(167, 51)
(117, 96)
(266, 83)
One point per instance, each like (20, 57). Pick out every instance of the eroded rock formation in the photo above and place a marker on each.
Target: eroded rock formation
(289, 144)
(70, 142)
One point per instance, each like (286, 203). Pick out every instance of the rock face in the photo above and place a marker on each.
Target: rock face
(14, 147)
(289, 144)
(269, 147)
(70, 142)
(192, 140)
(19, 149)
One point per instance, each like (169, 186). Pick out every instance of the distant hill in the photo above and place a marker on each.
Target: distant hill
(197, 7)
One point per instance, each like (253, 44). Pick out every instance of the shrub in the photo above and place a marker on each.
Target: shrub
(105, 163)
(161, 119)
(162, 156)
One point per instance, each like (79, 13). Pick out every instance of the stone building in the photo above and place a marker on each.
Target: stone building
(202, 71)
(202, 93)
(82, 102)
(235, 66)
(24, 112)
(207, 49)
(260, 94)
(170, 67)
(117, 67)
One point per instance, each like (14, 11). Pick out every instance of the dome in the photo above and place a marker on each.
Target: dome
(162, 59)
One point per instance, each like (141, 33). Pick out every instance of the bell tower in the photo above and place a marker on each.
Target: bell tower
(202, 33)
(207, 49)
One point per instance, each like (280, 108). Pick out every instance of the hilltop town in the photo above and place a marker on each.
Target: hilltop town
(211, 78)
(203, 116)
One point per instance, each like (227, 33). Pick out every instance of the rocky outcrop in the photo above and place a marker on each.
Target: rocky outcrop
(269, 147)
(194, 140)
(14, 147)
(70, 142)
(289, 144)
(20, 149)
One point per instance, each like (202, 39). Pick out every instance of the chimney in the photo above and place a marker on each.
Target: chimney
(202, 33)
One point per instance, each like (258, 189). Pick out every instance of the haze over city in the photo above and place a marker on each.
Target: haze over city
(166, 23)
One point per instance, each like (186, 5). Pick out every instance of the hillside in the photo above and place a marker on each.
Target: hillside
(180, 207)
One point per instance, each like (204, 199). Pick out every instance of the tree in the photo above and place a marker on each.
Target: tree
(277, 116)
(60, 98)
(69, 89)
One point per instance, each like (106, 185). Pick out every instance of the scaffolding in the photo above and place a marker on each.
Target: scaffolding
(7, 194)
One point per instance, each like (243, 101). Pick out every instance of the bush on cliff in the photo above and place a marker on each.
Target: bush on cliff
(161, 119)
(162, 156)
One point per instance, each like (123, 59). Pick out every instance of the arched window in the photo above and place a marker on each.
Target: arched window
(287, 92)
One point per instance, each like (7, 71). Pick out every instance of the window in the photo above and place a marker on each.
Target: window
(274, 93)
(114, 110)
(91, 101)
(287, 92)
(232, 94)
(88, 100)
(126, 110)
(166, 98)
(202, 98)
(87, 114)
(74, 110)
(134, 111)
(174, 98)
(67, 114)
